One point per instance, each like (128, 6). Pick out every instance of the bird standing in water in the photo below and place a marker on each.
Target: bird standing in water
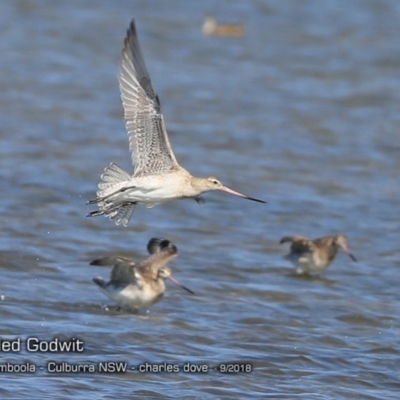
(134, 287)
(157, 177)
(310, 256)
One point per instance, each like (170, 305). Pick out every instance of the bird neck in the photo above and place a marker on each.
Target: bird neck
(198, 186)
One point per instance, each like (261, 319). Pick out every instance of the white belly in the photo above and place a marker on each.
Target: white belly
(133, 297)
(306, 263)
(150, 191)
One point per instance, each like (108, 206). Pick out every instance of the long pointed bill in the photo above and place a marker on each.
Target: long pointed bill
(347, 251)
(230, 191)
(172, 279)
(352, 257)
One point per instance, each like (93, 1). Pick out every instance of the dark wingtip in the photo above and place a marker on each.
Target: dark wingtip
(285, 239)
(101, 261)
(99, 281)
(131, 30)
(95, 213)
(159, 244)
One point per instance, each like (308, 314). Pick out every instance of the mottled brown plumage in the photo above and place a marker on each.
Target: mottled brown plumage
(310, 256)
(135, 286)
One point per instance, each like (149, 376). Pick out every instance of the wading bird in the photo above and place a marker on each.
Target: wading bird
(311, 256)
(136, 286)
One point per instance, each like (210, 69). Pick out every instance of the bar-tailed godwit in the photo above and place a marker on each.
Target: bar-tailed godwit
(157, 176)
(136, 286)
(212, 28)
(310, 256)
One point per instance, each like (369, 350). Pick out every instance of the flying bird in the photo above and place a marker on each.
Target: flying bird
(157, 177)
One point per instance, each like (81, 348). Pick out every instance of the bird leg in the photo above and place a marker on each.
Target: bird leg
(100, 199)
(199, 200)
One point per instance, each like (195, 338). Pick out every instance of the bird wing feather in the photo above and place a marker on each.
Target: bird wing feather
(124, 272)
(148, 140)
(299, 244)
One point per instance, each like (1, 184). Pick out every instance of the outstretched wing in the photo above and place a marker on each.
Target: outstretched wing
(300, 244)
(161, 252)
(148, 140)
(113, 260)
(123, 272)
